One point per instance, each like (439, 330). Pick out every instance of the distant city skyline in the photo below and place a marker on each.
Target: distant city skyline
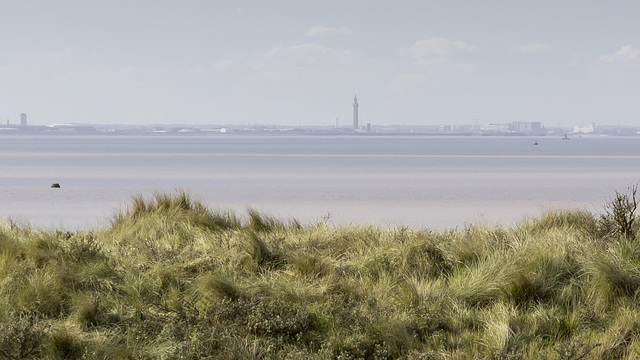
(568, 63)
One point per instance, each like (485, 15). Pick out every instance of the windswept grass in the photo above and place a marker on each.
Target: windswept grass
(171, 278)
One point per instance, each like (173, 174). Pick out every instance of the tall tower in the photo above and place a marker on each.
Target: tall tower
(355, 113)
(23, 119)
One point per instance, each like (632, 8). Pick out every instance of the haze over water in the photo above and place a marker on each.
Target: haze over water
(431, 182)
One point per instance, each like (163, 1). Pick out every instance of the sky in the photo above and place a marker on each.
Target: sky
(560, 62)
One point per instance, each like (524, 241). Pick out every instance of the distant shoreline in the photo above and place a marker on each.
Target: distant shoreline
(403, 130)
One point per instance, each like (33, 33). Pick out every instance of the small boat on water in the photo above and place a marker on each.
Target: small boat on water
(565, 137)
(535, 142)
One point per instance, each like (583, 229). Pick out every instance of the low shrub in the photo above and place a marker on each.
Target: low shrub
(23, 336)
(620, 215)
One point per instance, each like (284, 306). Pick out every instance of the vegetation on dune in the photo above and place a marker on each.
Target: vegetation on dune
(170, 278)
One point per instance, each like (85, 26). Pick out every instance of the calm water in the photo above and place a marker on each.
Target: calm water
(436, 182)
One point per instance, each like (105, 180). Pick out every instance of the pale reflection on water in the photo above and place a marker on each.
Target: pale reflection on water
(435, 182)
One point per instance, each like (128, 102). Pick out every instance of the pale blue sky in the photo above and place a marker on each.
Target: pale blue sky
(300, 62)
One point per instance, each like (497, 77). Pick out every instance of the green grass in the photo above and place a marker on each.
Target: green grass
(173, 279)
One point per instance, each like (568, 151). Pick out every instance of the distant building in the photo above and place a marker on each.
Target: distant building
(524, 126)
(495, 127)
(355, 113)
(585, 129)
(23, 119)
(515, 127)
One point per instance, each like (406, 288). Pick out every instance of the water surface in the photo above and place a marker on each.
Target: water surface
(436, 182)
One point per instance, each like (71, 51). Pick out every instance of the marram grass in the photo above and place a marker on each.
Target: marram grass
(173, 279)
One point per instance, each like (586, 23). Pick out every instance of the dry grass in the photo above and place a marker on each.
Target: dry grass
(171, 278)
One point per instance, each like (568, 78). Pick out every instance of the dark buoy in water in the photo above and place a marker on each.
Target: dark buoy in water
(55, 186)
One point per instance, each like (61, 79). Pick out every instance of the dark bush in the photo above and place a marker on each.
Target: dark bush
(22, 337)
(276, 318)
(272, 318)
(620, 214)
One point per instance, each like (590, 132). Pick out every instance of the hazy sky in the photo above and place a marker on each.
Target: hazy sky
(301, 62)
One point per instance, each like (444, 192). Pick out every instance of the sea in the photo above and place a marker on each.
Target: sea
(430, 182)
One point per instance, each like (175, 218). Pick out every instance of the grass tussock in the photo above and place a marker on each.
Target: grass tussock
(171, 278)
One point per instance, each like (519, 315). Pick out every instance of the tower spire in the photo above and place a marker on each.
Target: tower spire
(355, 113)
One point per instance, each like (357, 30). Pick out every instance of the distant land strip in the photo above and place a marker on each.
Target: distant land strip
(274, 155)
